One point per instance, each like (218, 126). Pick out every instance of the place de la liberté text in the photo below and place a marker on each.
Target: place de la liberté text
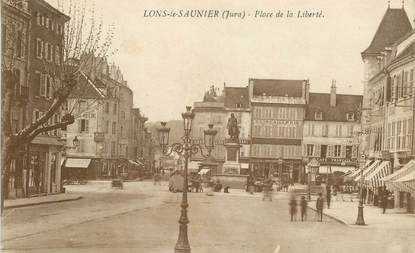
(232, 14)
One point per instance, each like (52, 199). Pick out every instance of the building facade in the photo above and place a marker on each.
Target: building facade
(389, 92)
(331, 124)
(278, 108)
(110, 132)
(15, 24)
(216, 108)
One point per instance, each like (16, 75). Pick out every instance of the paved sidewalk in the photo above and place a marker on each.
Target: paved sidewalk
(54, 198)
(346, 213)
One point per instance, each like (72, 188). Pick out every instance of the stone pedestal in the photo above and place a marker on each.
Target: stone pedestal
(232, 165)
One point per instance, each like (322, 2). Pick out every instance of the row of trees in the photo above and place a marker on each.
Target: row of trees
(85, 39)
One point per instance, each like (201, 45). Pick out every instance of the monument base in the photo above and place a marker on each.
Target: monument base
(233, 181)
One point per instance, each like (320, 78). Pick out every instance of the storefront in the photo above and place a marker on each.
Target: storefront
(402, 184)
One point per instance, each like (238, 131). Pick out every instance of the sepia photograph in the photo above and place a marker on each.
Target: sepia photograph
(233, 126)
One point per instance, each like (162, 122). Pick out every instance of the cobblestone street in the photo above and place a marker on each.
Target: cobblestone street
(131, 220)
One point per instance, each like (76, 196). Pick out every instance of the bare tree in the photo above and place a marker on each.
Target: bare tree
(84, 40)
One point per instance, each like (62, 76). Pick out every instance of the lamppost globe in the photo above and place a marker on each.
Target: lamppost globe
(163, 133)
(209, 136)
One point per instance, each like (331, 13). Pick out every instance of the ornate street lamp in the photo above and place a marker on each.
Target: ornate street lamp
(185, 149)
(360, 219)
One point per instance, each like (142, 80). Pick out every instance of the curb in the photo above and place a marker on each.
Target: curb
(332, 217)
(42, 203)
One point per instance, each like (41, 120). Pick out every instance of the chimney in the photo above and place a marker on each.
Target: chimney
(307, 91)
(333, 93)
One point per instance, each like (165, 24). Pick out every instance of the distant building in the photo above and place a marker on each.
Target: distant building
(330, 126)
(277, 127)
(110, 132)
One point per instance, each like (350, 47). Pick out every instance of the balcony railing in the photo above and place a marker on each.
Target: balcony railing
(99, 136)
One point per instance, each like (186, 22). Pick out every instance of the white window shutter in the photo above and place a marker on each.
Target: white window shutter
(330, 151)
(42, 85)
(343, 151)
(304, 150)
(317, 151)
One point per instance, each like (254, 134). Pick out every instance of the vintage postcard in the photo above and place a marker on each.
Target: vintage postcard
(208, 126)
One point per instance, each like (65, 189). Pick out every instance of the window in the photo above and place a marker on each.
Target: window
(350, 130)
(42, 20)
(114, 127)
(106, 126)
(337, 150)
(411, 85)
(122, 131)
(19, 43)
(123, 115)
(57, 55)
(38, 18)
(113, 147)
(350, 116)
(48, 52)
(47, 22)
(325, 130)
(39, 48)
(114, 111)
(318, 116)
(310, 149)
(107, 107)
(83, 125)
(43, 84)
(339, 130)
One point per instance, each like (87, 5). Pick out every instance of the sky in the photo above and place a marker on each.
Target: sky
(170, 62)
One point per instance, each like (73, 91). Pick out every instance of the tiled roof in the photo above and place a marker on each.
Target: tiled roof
(395, 24)
(410, 50)
(236, 95)
(320, 102)
(276, 87)
(86, 89)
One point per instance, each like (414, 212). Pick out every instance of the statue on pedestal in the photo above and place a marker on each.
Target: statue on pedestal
(233, 129)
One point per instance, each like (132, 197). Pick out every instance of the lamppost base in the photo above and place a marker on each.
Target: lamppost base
(181, 249)
(360, 220)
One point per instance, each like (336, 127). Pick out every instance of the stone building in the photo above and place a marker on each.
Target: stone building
(110, 133)
(216, 108)
(389, 93)
(15, 23)
(330, 126)
(277, 127)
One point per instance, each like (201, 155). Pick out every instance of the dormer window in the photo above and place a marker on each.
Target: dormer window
(318, 116)
(350, 116)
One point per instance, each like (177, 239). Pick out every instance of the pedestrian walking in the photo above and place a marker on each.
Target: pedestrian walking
(319, 207)
(328, 195)
(303, 204)
(267, 188)
(385, 195)
(293, 208)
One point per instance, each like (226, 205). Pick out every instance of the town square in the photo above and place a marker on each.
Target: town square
(179, 126)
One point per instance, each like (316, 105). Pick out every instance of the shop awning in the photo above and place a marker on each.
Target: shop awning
(374, 178)
(402, 180)
(332, 169)
(133, 163)
(77, 162)
(356, 171)
(368, 170)
(244, 165)
(203, 171)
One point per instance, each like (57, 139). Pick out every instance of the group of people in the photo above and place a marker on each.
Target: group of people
(378, 196)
